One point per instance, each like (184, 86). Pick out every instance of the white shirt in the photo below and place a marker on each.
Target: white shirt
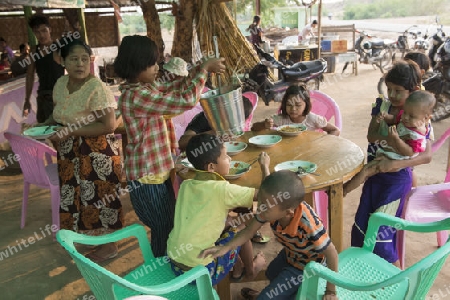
(307, 32)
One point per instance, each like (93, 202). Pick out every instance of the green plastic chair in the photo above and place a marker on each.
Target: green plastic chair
(150, 278)
(364, 275)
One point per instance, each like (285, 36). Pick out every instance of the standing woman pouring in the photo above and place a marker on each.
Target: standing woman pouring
(89, 164)
(145, 102)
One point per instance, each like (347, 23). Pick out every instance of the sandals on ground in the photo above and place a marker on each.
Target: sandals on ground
(249, 294)
(259, 238)
(239, 278)
(95, 257)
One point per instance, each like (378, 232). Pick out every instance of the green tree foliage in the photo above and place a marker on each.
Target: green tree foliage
(134, 23)
(393, 8)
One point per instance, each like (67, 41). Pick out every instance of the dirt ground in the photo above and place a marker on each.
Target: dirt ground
(44, 270)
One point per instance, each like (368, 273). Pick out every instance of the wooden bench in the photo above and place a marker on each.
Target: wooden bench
(351, 56)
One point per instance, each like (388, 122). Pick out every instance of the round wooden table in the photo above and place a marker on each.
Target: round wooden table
(337, 160)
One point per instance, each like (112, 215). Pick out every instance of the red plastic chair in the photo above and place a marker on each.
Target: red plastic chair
(427, 204)
(35, 159)
(253, 97)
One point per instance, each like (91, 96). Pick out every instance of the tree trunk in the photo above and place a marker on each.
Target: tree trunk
(183, 36)
(153, 24)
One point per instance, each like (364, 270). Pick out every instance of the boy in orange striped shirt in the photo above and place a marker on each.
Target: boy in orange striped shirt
(297, 227)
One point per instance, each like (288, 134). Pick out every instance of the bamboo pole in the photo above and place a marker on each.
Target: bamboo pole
(81, 20)
(28, 12)
(319, 28)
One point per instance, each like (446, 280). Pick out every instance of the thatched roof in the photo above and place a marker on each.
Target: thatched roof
(89, 4)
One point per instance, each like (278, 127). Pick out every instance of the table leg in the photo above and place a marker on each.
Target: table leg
(336, 215)
(223, 288)
(309, 199)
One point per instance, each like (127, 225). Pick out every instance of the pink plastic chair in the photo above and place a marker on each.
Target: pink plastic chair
(427, 204)
(324, 105)
(253, 97)
(35, 159)
(182, 121)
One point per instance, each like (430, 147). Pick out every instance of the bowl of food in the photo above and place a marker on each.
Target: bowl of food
(300, 167)
(237, 169)
(185, 162)
(291, 129)
(234, 148)
(265, 141)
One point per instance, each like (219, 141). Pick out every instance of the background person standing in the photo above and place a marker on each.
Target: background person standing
(307, 31)
(255, 31)
(47, 64)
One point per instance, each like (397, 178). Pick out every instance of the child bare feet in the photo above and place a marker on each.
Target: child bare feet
(259, 263)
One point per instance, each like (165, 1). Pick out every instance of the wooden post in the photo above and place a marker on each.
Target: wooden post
(31, 37)
(319, 28)
(82, 22)
(257, 7)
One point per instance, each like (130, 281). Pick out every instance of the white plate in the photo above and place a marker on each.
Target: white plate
(265, 141)
(40, 132)
(237, 169)
(292, 129)
(234, 148)
(185, 162)
(293, 165)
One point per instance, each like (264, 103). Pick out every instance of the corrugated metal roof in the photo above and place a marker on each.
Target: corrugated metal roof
(89, 4)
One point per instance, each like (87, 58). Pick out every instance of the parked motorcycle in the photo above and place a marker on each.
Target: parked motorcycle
(258, 80)
(439, 82)
(412, 33)
(375, 51)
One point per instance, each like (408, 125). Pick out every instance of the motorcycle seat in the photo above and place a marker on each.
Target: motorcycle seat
(313, 66)
(377, 42)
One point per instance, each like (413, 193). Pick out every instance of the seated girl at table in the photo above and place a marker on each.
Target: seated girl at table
(201, 211)
(296, 109)
(406, 140)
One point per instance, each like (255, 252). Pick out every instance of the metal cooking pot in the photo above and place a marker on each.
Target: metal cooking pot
(224, 110)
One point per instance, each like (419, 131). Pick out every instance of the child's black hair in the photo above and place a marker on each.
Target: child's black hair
(248, 107)
(136, 53)
(405, 73)
(419, 58)
(300, 91)
(286, 182)
(22, 47)
(37, 20)
(66, 49)
(203, 149)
